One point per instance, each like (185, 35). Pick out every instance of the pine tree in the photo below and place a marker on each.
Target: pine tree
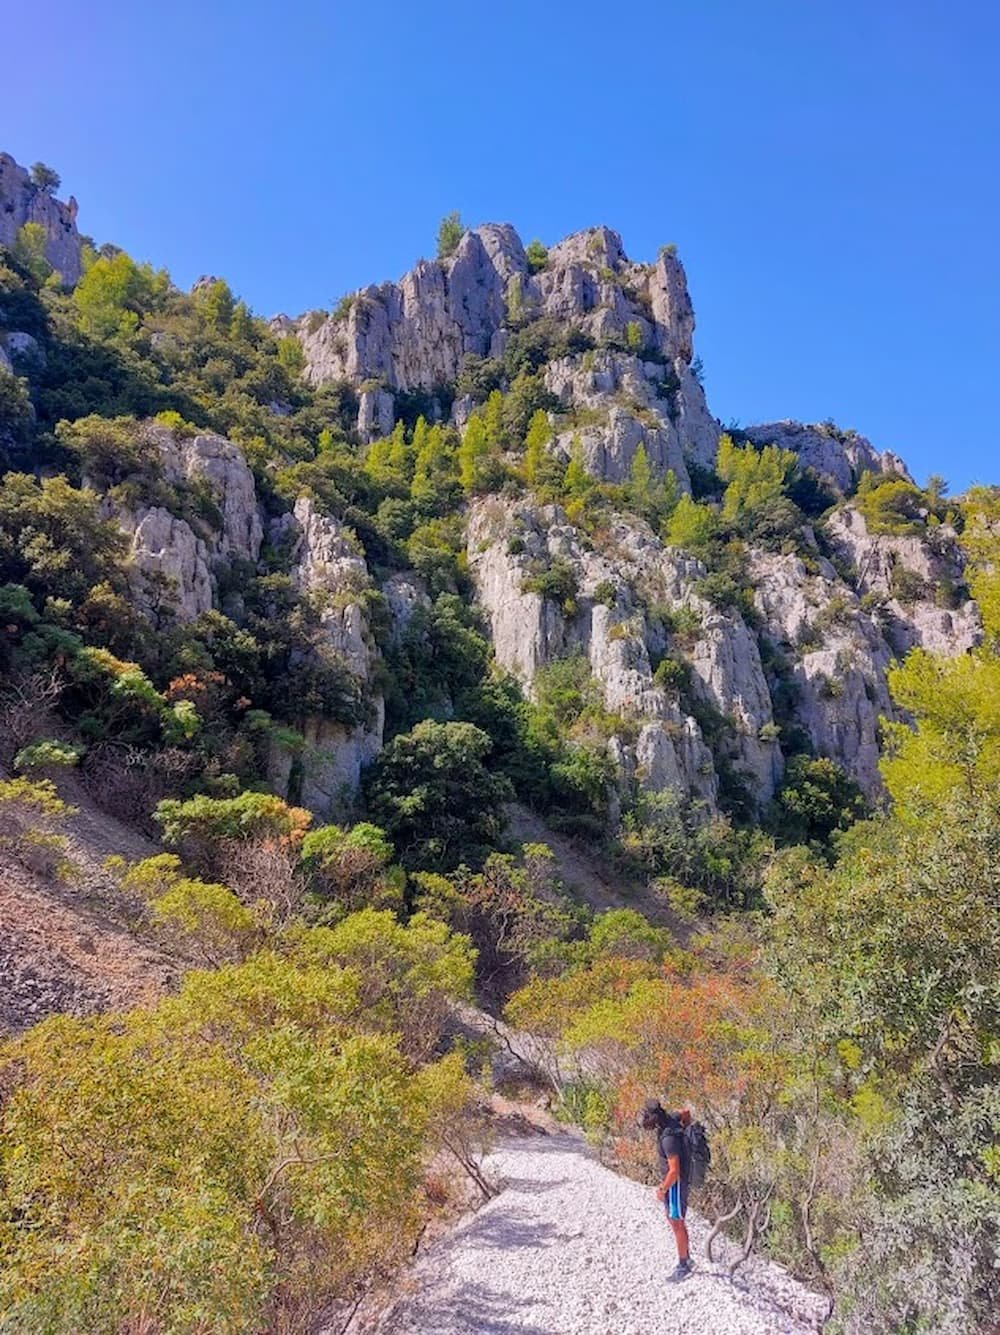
(492, 415)
(472, 454)
(538, 437)
(640, 482)
(435, 476)
(577, 481)
(450, 233)
(241, 325)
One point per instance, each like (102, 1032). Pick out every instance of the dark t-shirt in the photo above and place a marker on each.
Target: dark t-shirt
(669, 1141)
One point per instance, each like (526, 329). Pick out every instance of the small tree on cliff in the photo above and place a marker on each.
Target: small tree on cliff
(45, 178)
(449, 234)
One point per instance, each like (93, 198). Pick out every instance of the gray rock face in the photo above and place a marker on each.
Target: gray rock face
(838, 456)
(376, 414)
(661, 746)
(169, 573)
(21, 202)
(173, 575)
(836, 658)
(22, 350)
(221, 465)
(327, 564)
(326, 556)
(416, 333)
(934, 565)
(727, 667)
(627, 399)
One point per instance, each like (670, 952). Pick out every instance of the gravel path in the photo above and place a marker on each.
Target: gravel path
(570, 1248)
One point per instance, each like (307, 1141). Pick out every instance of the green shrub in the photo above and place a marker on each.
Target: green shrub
(816, 798)
(906, 586)
(450, 233)
(673, 674)
(558, 582)
(51, 753)
(894, 507)
(538, 256)
(431, 792)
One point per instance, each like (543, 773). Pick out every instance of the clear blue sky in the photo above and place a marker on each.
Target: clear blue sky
(829, 171)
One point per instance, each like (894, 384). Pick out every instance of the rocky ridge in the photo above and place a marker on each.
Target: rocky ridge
(813, 651)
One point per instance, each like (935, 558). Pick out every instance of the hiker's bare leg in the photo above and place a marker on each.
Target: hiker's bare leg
(680, 1237)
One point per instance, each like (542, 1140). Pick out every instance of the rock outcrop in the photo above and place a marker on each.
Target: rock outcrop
(609, 619)
(173, 568)
(216, 465)
(170, 575)
(919, 577)
(416, 334)
(327, 564)
(174, 576)
(706, 682)
(23, 202)
(839, 457)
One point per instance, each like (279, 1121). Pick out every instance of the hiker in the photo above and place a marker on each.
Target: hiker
(673, 1188)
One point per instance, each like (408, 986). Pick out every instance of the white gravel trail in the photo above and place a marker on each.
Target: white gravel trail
(571, 1248)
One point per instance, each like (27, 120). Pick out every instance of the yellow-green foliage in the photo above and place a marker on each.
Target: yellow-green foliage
(390, 460)
(955, 745)
(114, 292)
(200, 917)
(353, 868)
(474, 454)
(406, 973)
(30, 812)
(981, 538)
(234, 1155)
(249, 816)
(692, 525)
(894, 507)
(539, 435)
(435, 471)
(754, 478)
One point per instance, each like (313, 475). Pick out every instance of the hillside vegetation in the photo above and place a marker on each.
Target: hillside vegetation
(308, 604)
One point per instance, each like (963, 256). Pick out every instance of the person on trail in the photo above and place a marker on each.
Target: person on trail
(673, 1188)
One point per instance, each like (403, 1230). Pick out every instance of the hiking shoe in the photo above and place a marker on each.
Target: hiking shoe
(682, 1271)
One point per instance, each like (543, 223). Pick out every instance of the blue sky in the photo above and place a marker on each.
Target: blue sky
(829, 171)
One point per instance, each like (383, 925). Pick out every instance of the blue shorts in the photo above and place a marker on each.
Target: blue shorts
(676, 1202)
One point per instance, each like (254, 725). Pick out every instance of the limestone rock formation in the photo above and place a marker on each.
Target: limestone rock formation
(415, 335)
(170, 576)
(327, 563)
(173, 568)
(22, 202)
(919, 576)
(220, 466)
(704, 694)
(840, 457)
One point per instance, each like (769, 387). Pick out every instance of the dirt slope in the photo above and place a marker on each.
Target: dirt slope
(65, 946)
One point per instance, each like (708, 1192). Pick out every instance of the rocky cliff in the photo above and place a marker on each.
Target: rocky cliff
(709, 683)
(23, 202)
(822, 634)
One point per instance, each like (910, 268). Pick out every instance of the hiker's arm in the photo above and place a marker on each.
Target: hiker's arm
(673, 1173)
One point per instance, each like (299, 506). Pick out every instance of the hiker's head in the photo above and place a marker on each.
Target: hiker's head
(652, 1115)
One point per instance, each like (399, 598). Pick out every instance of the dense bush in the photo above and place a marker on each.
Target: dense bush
(894, 506)
(237, 1155)
(431, 792)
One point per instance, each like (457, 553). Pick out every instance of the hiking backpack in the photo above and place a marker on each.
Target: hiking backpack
(697, 1153)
